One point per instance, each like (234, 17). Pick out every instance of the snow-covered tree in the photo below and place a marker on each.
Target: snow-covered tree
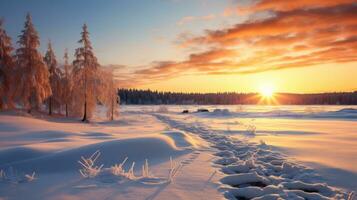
(34, 82)
(54, 101)
(114, 100)
(87, 83)
(66, 83)
(109, 95)
(6, 69)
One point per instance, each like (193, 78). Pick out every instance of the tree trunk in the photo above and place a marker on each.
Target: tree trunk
(112, 118)
(1, 104)
(29, 106)
(66, 110)
(85, 112)
(85, 85)
(50, 106)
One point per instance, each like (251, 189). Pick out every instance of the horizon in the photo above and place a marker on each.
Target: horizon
(238, 92)
(201, 46)
(267, 97)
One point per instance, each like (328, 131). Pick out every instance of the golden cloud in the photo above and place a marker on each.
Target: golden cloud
(292, 34)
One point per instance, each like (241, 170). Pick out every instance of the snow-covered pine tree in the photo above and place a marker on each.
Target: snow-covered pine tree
(6, 68)
(34, 82)
(54, 101)
(87, 83)
(66, 83)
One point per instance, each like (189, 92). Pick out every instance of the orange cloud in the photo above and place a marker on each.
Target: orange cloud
(283, 22)
(286, 5)
(294, 34)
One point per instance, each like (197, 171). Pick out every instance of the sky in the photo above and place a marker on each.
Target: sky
(302, 46)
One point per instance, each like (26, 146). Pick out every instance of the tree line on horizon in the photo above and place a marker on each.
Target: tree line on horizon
(148, 97)
(31, 81)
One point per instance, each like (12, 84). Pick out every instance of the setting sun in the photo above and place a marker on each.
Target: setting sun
(267, 91)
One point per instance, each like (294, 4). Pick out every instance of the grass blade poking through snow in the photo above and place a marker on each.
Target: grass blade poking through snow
(13, 177)
(118, 170)
(145, 169)
(89, 170)
(130, 174)
(30, 178)
(2, 175)
(174, 167)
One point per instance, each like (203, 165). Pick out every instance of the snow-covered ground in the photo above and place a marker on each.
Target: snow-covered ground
(52, 148)
(237, 152)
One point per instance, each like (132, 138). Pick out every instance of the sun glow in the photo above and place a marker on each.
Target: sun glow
(267, 91)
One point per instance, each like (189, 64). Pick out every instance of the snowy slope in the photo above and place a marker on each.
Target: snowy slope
(52, 148)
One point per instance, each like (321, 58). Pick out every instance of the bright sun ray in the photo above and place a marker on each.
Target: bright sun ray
(267, 91)
(267, 94)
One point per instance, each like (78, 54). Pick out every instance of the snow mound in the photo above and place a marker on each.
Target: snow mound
(181, 139)
(245, 179)
(221, 111)
(15, 154)
(347, 110)
(155, 148)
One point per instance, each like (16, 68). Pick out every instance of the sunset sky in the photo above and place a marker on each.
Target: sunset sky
(206, 45)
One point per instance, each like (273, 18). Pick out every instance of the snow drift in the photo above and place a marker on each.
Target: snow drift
(155, 148)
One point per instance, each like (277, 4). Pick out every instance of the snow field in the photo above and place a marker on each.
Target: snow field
(140, 157)
(255, 171)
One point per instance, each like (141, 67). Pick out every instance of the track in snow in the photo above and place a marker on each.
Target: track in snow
(255, 171)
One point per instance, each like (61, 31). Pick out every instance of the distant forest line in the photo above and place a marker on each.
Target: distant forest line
(148, 97)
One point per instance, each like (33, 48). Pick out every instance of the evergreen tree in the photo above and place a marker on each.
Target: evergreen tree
(66, 83)
(54, 101)
(34, 82)
(85, 68)
(6, 68)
